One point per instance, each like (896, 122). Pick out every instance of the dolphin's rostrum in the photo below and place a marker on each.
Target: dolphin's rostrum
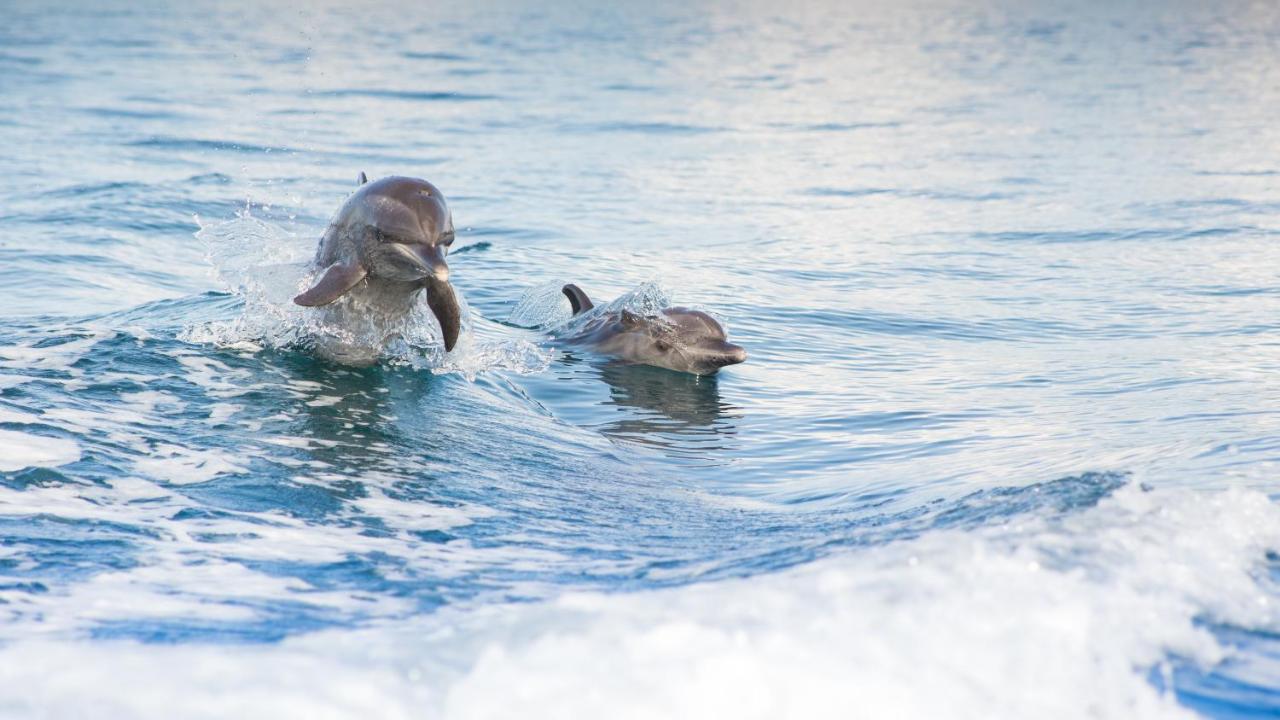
(387, 243)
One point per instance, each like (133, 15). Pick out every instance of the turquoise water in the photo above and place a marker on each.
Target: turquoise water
(1006, 444)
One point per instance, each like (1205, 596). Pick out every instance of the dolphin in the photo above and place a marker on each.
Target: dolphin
(386, 244)
(678, 339)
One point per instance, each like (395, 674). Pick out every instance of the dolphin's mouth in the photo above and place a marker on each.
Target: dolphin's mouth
(444, 305)
(426, 259)
(729, 354)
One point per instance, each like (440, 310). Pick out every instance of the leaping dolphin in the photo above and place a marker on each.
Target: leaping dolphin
(387, 243)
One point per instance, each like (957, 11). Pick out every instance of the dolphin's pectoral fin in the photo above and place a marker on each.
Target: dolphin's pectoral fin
(362, 179)
(578, 300)
(444, 305)
(335, 283)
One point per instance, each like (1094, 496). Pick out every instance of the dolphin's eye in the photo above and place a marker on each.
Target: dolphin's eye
(662, 345)
(447, 239)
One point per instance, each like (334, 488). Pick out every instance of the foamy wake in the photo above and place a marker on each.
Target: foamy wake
(266, 265)
(1051, 617)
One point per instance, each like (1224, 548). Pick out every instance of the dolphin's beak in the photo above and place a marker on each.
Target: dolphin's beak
(729, 354)
(431, 258)
(440, 297)
(444, 305)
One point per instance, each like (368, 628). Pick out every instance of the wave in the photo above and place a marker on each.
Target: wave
(1050, 616)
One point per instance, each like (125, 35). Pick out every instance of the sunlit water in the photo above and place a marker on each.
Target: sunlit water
(1006, 444)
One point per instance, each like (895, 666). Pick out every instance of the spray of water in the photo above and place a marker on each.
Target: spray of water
(545, 307)
(265, 265)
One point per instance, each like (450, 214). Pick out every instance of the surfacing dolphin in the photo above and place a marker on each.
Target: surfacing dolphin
(386, 244)
(680, 339)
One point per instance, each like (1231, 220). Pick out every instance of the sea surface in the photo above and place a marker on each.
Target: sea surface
(1007, 444)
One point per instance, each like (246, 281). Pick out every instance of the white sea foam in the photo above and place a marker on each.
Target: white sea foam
(416, 515)
(20, 450)
(8, 381)
(16, 416)
(1048, 618)
(123, 422)
(25, 356)
(183, 466)
(200, 568)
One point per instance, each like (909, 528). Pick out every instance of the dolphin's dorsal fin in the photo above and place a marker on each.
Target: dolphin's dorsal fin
(577, 299)
(335, 283)
(362, 179)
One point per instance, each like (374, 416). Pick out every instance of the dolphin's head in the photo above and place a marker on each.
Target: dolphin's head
(410, 230)
(691, 341)
(399, 229)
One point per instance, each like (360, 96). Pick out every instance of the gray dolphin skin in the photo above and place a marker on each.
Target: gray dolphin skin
(681, 339)
(386, 244)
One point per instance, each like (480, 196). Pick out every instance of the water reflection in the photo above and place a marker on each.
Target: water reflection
(677, 411)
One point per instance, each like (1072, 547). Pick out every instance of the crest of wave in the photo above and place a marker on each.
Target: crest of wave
(1049, 617)
(265, 265)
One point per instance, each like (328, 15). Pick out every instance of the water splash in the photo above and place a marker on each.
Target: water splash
(265, 265)
(480, 349)
(545, 307)
(542, 306)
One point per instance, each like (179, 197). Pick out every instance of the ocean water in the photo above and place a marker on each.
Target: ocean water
(1007, 444)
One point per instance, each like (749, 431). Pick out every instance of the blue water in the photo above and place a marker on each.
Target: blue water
(1006, 444)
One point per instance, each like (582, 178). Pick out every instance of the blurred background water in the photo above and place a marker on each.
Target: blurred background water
(1005, 446)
